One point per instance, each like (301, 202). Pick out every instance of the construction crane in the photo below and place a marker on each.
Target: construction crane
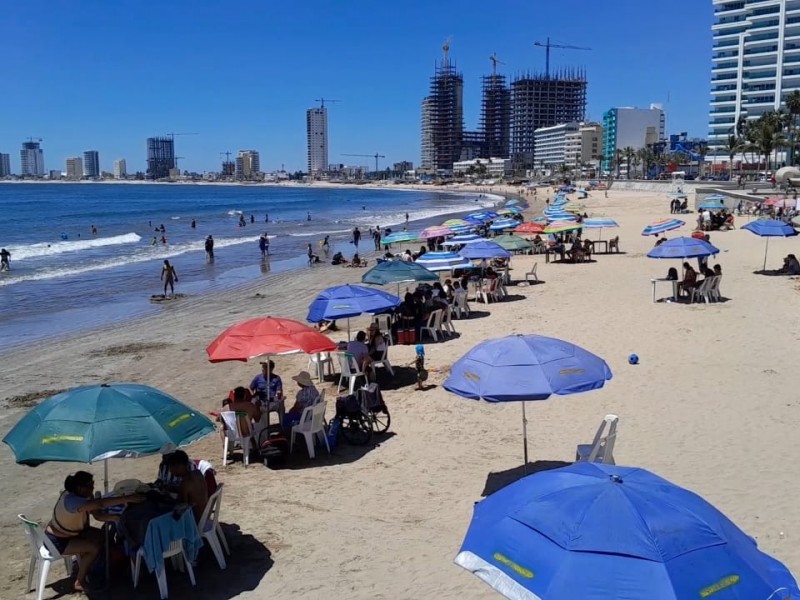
(322, 101)
(34, 138)
(227, 155)
(547, 45)
(446, 49)
(172, 135)
(376, 156)
(495, 61)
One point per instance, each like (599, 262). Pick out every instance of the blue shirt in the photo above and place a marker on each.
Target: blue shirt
(259, 385)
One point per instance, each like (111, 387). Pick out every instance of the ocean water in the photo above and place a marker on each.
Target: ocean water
(65, 279)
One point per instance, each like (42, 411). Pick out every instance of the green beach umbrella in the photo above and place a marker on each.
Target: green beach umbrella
(98, 422)
(512, 242)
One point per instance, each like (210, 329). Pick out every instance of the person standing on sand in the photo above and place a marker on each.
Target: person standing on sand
(406, 218)
(169, 277)
(325, 245)
(5, 264)
(356, 236)
(210, 249)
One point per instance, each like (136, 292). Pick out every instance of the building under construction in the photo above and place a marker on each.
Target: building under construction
(443, 118)
(160, 157)
(543, 101)
(495, 117)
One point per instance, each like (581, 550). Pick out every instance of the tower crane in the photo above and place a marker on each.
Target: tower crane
(172, 135)
(547, 45)
(495, 61)
(376, 156)
(446, 49)
(321, 101)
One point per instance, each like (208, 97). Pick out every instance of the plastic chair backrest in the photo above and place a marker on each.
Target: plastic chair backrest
(37, 539)
(233, 424)
(347, 363)
(448, 315)
(437, 318)
(431, 320)
(319, 398)
(384, 322)
(601, 438)
(533, 269)
(318, 416)
(611, 438)
(211, 511)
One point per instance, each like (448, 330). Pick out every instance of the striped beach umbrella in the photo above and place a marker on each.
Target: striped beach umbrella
(462, 229)
(400, 236)
(443, 261)
(663, 226)
(561, 216)
(599, 223)
(504, 224)
(530, 227)
(466, 238)
(513, 243)
(508, 211)
(451, 222)
(562, 226)
(435, 231)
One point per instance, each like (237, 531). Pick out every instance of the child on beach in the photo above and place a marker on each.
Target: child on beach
(419, 365)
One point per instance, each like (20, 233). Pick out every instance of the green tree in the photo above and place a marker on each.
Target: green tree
(793, 106)
(733, 146)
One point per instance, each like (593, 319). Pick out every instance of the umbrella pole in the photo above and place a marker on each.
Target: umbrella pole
(766, 249)
(348, 329)
(525, 436)
(107, 534)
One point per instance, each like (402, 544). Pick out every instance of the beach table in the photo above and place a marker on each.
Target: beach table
(664, 279)
(596, 243)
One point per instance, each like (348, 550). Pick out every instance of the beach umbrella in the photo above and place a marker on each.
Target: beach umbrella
(503, 224)
(456, 222)
(443, 261)
(512, 202)
(461, 229)
(778, 201)
(434, 232)
(595, 531)
(564, 216)
(513, 243)
(484, 250)
(683, 247)
(471, 220)
(397, 271)
(562, 226)
(345, 301)
(575, 208)
(540, 219)
(530, 227)
(599, 223)
(466, 238)
(714, 198)
(518, 368)
(509, 211)
(662, 226)
(397, 237)
(266, 336)
(711, 205)
(770, 228)
(679, 196)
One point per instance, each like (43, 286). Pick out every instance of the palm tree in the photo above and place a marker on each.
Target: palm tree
(793, 106)
(732, 147)
(628, 153)
(618, 160)
(702, 151)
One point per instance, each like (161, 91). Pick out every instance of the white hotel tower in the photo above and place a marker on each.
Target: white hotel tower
(755, 63)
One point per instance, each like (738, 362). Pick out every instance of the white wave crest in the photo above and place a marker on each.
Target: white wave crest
(45, 249)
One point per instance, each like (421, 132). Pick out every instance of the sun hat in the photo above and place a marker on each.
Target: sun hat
(303, 378)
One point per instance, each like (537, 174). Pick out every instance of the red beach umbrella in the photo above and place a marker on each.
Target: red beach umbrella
(267, 336)
(530, 227)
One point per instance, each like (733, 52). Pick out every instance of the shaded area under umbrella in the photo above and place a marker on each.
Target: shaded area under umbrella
(768, 228)
(683, 247)
(345, 301)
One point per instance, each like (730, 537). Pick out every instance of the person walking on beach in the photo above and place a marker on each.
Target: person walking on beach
(356, 236)
(312, 258)
(262, 245)
(210, 249)
(169, 277)
(5, 264)
(376, 237)
(325, 245)
(406, 218)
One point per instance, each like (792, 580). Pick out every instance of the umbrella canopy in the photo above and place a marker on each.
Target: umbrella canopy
(99, 422)
(484, 250)
(562, 226)
(779, 201)
(679, 196)
(562, 216)
(397, 271)
(715, 198)
(711, 205)
(659, 227)
(509, 211)
(345, 301)
(512, 202)
(513, 243)
(504, 224)
(683, 247)
(591, 530)
(443, 261)
(435, 231)
(267, 335)
(599, 223)
(466, 238)
(400, 236)
(461, 229)
(451, 222)
(770, 228)
(530, 227)
(482, 216)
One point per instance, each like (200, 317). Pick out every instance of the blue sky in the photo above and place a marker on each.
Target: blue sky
(105, 75)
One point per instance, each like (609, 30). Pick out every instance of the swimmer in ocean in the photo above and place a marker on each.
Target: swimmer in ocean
(169, 277)
(308, 216)
(94, 230)
(194, 224)
(5, 263)
(154, 242)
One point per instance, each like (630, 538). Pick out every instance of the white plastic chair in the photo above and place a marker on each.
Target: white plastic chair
(350, 370)
(210, 529)
(382, 362)
(488, 290)
(460, 303)
(235, 435)
(702, 290)
(175, 551)
(318, 362)
(601, 450)
(532, 273)
(714, 292)
(447, 321)
(312, 423)
(433, 326)
(384, 323)
(43, 554)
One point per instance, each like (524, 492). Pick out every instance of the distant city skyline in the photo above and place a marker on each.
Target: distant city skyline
(377, 61)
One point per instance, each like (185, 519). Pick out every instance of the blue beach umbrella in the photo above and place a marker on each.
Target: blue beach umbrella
(443, 261)
(345, 301)
(711, 205)
(467, 238)
(599, 223)
(484, 250)
(462, 229)
(518, 368)
(512, 202)
(715, 198)
(562, 216)
(397, 271)
(504, 224)
(683, 247)
(663, 226)
(400, 236)
(770, 228)
(596, 531)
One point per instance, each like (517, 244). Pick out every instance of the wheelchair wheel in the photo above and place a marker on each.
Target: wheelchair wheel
(380, 420)
(356, 430)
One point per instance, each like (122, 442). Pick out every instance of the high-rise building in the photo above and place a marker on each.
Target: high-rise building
(539, 101)
(755, 62)
(550, 145)
(228, 168)
(496, 116)
(74, 167)
(248, 165)
(584, 148)
(91, 163)
(120, 169)
(5, 165)
(32, 159)
(443, 117)
(160, 157)
(628, 127)
(317, 139)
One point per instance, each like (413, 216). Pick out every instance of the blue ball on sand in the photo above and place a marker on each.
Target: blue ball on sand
(633, 359)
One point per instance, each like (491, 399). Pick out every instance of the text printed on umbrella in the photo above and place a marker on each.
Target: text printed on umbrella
(571, 371)
(720, 585)
(177, 421)
(62, 438)
(518, 569)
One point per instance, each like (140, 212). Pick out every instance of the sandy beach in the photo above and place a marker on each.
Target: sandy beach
(711, 406)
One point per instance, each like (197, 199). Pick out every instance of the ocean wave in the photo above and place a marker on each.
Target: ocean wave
(49, 249)
(234, 213)
(318, 233)
(397, 219)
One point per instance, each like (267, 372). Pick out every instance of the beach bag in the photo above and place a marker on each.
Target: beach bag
(273, 447)
(333, 433)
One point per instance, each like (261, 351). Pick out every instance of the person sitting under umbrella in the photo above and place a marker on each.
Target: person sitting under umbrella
(193, 489)
(689, 279)
(69, 528)
(267, 393)
(376, 342)
(791, 266)
(358, 348)
(307, 395)
(167, 481)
